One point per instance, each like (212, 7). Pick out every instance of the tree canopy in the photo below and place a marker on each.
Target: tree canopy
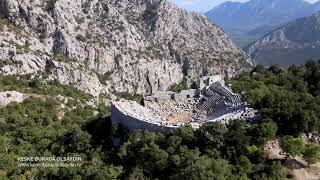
(289, 97)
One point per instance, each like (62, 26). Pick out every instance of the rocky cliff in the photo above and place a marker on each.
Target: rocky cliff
(100, 46)
(293, 43)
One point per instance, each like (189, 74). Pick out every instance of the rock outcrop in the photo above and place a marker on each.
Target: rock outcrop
(10, 96)
(100, 46)
(293, 43)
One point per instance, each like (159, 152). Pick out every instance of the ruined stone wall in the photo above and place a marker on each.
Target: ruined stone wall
(207, 81)
(186, 94)
(168, 96)
(134, 123)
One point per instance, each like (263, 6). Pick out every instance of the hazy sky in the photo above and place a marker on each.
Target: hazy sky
(204, 5)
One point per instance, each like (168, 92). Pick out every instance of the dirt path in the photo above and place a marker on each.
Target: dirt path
(296, 166)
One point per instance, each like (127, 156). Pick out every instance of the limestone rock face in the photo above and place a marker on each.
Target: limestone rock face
(10, 96)
(100, 46)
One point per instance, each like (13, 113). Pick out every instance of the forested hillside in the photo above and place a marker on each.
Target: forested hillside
(287, 99)
(290, 97)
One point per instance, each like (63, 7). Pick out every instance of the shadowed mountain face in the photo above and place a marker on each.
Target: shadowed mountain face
(293, 43)
(246, 22)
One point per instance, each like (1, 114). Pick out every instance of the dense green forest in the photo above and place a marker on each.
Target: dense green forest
(290, 97)
(287, 99)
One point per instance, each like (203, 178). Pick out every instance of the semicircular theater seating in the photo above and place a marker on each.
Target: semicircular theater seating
(219, 97)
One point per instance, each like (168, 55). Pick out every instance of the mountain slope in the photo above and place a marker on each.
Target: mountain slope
(101, 46)
(248, 21)
(293, 43)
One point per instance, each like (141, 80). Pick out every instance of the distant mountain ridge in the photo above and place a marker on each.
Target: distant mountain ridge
(245, 22)
(293, 43)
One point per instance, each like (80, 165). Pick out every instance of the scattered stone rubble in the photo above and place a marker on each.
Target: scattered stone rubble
(312, 137)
